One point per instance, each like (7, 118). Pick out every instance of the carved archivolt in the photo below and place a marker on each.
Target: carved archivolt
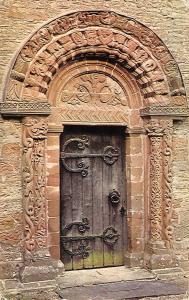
(135, 47)
(160, 134)
(34, 182)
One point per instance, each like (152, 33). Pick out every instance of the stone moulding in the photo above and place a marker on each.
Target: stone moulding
(171, 111)
(25, 108)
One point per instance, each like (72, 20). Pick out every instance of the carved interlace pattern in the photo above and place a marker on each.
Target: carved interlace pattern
(168, 197)
(160, 134)
(34, 136)
(156, 187)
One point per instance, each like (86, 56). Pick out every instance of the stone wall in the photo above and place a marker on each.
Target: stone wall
(10, 197)
(18, 20)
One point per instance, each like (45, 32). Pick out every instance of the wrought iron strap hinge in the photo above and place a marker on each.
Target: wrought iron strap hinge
(109, 155)
(109, 237)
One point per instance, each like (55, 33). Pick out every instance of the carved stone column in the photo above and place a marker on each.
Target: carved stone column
(160, 206)
(34, 139)
(37, 261)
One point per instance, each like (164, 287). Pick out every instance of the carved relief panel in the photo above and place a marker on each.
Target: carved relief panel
(93, 92)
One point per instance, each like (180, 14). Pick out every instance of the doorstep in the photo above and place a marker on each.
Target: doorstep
(103, 275)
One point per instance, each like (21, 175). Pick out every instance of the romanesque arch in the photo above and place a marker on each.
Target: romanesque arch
(140, 86)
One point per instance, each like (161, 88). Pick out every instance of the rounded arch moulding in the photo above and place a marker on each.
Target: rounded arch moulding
(100, 35)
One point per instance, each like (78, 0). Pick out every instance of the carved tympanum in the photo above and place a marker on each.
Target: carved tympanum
(34, 181)
(94, 89)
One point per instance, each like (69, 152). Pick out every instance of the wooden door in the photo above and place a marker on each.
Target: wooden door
(93, 203)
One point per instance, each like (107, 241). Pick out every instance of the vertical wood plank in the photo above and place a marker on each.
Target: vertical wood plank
(117, 183)
(97, 202)
(107, 209)
(65, 209)
(77, 202)
(87, 203)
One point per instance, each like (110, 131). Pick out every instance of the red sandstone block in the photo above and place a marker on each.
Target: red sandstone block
(53, 140)
(135, 188)
(134, 160)
(53, 209)
(55, 252)
(134, 145)
(53, 180)
(53, 239)
(53, 224)
(52, 193)
(53, 156)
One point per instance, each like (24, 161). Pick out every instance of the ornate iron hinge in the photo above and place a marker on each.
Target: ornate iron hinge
(109, 237)
(109, 155)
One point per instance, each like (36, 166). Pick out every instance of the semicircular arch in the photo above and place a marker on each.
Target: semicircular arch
(99, 34)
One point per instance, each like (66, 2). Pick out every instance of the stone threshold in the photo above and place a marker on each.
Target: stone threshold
(142, 289)
(103, 275)
(88, 278)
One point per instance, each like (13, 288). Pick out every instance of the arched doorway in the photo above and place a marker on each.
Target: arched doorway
(98, 68)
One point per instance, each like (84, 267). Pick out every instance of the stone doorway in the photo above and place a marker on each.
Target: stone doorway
(97, 68)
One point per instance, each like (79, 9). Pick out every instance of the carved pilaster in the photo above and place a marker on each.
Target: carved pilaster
(38, 264)
(34, 139)
(167, 184)
(161, 229)
(155, 132)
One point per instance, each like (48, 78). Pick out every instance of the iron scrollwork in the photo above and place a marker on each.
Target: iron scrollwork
(114, 197)
(109, 237)
(110, 155)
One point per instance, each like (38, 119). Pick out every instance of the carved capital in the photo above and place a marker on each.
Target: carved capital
(155, 127)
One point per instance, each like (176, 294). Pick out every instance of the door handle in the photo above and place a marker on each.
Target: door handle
(114, 197)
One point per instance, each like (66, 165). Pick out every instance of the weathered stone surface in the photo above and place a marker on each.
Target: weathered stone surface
(18, 20)
(122, 290)
(100, 276)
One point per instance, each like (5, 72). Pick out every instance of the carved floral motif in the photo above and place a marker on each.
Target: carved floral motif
(34, 136)
(168, 177)
(93, 88)
(155, 132)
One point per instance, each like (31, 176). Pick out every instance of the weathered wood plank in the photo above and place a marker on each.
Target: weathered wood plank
(107, 209)
(97, 202)
(117, 182)
(66, 209)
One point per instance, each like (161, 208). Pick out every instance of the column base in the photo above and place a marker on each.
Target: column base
(133, 260)
(41, 268)
(157, 256)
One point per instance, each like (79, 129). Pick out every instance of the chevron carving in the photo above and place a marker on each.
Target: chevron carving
(99, 116)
